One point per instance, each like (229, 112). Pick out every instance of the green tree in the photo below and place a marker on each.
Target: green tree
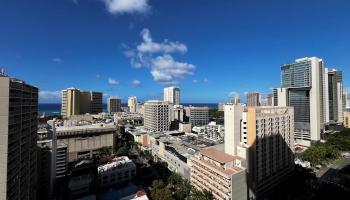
(123, 151)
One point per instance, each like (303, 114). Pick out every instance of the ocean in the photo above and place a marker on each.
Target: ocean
(55, 109)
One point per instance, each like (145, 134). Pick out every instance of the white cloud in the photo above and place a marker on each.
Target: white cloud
(57, 60)
(195, 81)
(127, 6)
(166, 69)
(136, 83)
(50, 94)
(148, 46)
(112, 81)
(205, 80)
(157, 57)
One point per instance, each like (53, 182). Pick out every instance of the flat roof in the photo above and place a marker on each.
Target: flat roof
(217, 155)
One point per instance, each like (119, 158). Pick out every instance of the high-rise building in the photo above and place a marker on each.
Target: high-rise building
(76, 102)
(236, 100)
(253, 99)
(270, 100)
(333, 93)
(132, 104)
(264, 137)
(198, 116)
(303, 89)
(157, 115)
(114, 104)
(347, 99)
(18, 128)
(172, 95)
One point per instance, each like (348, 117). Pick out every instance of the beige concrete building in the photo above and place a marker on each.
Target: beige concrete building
(222, 174)
(76, 102)
(157, 116)
(132, 104)
(18, 137)
(347, 119)
(83, 140)
(198, 116)
(265, 137)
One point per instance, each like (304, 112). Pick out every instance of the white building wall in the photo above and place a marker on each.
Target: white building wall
(232, 121)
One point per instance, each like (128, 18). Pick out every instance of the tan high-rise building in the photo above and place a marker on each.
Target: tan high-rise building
(172, 95)
(76, 102)
(18, 131)
(132, 104)
(264, 136)
(253, 99)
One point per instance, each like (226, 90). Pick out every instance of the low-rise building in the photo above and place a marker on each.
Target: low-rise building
(84, 138)
(220, 173)
(120, 170)
(347, 119)
(211, 131)
(128, 118)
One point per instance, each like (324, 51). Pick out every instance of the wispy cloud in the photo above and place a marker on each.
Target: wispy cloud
(195, 81)
(127, 6)
(112, 81)
(98, 76)
(136, 83)
(233, 94)
(205, 80)
(57, 60)
(157, 56)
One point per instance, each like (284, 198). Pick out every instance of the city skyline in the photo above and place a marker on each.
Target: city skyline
(91, 45)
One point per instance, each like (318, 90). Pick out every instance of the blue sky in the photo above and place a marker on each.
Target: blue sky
(136, 47)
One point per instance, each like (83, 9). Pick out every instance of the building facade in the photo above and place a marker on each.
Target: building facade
(253, 99)
(333, 93)
(303, 88)
(157, 116)
(119, 170)
(347, 119)
(264, 136)
(114, 104)
(18, 128)
(82, 141)
(222, 174)
(76, 102)
(132, 104)
(172, 95)
(198, 116)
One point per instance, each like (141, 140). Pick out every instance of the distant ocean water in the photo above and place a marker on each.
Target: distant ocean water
(55, 108)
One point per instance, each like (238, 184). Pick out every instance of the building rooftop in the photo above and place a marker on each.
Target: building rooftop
(117, 162)
(217, 155)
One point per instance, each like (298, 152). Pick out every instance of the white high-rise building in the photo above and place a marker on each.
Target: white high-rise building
(157, 115)
(132, 104)
(347, 99)
(303, 88)
(333, 93)
(172, 95)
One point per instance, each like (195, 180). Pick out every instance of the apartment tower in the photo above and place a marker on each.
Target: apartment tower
(132, 104)
(253, 99)
(18, 128)
(114, 104)
(264, 137)
(157, 116)
(172, 95)
(76, 102)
